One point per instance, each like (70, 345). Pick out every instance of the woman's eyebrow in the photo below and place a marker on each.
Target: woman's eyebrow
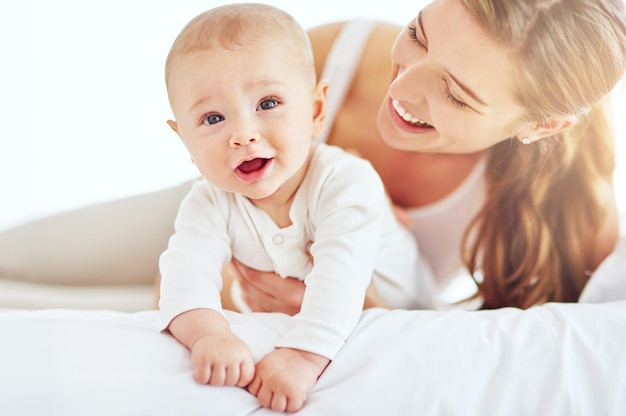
(421, 26)
(462, 86)
(467, 90)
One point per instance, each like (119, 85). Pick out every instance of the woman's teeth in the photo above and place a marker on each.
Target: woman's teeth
(408, 117)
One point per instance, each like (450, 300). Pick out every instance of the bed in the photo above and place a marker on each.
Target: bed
(556, 359)
(70, 349)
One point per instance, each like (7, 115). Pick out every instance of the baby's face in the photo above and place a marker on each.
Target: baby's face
(246, 115)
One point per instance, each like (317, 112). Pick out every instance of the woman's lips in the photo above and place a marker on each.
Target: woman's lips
(406, 118)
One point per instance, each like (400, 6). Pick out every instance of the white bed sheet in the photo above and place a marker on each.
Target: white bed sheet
(556, 359)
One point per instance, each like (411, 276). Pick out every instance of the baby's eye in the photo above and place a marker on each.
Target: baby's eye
(213, 119)
(268, 104)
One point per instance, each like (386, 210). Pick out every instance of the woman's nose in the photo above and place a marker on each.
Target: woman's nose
(412, 80)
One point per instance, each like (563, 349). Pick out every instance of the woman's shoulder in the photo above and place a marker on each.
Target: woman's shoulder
(379, 42)
(354, 123)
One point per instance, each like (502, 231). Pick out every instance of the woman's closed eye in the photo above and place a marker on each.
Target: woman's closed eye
(413, 35)
(456, 102)
(446, 90)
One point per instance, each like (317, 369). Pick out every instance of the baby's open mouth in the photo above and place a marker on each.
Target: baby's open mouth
(252, 165)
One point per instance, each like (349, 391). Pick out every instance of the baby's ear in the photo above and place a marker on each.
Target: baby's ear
(173, 126)
(319, 107)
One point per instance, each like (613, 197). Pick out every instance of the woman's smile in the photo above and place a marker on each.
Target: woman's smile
(408, 117)
(407, 121)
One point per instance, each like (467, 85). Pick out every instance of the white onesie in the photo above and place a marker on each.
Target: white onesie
(340, 207)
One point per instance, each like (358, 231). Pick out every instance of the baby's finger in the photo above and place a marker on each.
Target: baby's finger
(232, 375)
(246, 373)
(218, 376)
(279, 403)
(293, 405)
(254, 386)
(264, 396)
(202, 374)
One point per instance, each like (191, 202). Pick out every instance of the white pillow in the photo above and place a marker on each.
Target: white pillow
(113, 243)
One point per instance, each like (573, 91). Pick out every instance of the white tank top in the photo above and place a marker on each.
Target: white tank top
(438, 227)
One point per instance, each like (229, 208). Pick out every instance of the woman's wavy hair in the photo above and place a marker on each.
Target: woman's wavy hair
(544, 200)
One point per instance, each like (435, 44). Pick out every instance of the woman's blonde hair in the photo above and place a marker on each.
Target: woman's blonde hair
(544, 200)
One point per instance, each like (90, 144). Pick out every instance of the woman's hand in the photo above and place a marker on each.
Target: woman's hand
(402, 215)
(266, 291)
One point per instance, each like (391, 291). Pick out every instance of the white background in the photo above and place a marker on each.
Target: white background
(83, 104)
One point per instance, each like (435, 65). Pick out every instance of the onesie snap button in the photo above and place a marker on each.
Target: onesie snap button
(278, 239)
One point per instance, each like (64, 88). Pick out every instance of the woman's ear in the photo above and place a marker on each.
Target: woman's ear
(552, 126)
(546, 128)
(319, 107)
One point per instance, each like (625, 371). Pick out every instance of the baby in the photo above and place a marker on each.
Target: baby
(242, 88)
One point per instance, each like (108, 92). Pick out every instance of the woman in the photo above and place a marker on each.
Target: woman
(507, 89)
(491, 138)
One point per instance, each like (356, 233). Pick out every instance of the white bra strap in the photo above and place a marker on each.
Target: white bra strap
(341, 64)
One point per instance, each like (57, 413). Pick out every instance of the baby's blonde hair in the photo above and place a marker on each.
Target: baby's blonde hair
(234, 25)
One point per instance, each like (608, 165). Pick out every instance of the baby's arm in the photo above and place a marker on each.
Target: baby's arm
(218, 356)
(284, 378)
(346, 214)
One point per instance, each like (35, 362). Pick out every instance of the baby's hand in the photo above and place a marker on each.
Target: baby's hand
(284, 378)
(222, 359)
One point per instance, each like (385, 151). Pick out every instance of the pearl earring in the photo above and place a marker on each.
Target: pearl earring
(525, 140)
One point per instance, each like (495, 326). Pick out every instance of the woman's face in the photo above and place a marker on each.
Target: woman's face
(453, 86)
